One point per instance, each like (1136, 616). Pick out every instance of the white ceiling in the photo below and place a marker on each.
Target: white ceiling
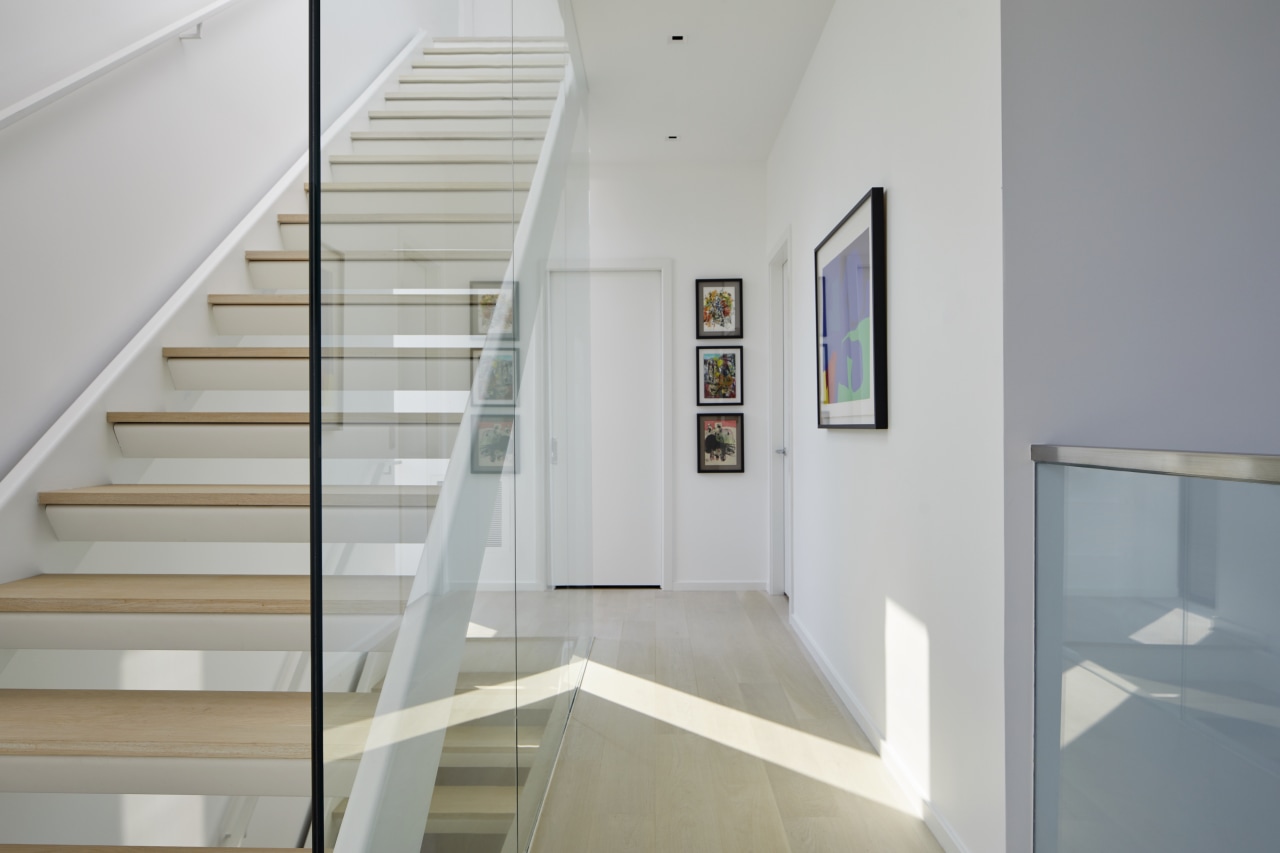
(723, 91)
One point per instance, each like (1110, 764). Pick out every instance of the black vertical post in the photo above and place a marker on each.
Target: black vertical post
(314, 422)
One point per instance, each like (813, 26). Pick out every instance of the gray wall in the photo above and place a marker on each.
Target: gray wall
(1141, 221)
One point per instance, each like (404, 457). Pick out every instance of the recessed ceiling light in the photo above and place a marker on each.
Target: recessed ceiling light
(677, 38)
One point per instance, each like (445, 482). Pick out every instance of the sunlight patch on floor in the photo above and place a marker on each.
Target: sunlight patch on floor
(822, 760)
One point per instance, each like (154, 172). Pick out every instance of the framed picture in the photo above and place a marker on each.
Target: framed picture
(494, 376)
(494, 308)
(719, 376)
(720, 443)
(719, 307)
(849, 273)
(493, 439)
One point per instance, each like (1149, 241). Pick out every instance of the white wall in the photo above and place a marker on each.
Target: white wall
(709, 219)
(898, 534)
(110, 197)
(1141, 205)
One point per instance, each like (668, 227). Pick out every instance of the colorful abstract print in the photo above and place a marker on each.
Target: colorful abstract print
(846, 324)
(719, 442)
(720, 376)
(717, 310)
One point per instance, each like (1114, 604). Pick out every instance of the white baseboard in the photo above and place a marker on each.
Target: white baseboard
(522, 586)
(941, 828)
(718, 586)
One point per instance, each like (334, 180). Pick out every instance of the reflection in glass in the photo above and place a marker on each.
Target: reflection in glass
(1158, 663)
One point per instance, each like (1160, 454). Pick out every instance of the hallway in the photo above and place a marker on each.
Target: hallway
(703, 726)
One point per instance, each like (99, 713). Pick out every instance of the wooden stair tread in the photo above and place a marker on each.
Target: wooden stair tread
(442, 159)
(400, 218)
(463, 96)
(421, 187)
(516, 49)
(445, 135)
(303, 353)
(238, 495)
(105, 848)
(480, 78)
(278, 255)
(473, 800)
(156, 724)
(224, 594)
(492, 739)
(286, 418)
(457, 114)
(426, 297)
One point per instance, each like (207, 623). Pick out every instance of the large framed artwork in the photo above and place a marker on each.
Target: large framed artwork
(849, 271)
(720, 443)
(719, 376)
(493, 439)
(719, 307)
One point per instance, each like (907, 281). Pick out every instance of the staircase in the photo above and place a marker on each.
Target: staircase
(166, 670)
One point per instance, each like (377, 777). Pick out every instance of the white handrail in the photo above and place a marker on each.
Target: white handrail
(64, 87)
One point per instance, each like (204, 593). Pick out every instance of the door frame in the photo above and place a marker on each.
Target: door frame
(781, 418)
(662, 266)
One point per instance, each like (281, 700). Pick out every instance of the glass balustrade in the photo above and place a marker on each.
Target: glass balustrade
(1157, 660)
(449, 661)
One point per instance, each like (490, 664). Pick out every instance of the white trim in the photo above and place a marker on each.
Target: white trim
(142, 342)
(720, 586)
(664, 267)
(780, 434)
(102, 67)
(941, 828)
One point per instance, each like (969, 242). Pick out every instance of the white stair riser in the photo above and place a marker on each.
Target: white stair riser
(475, 75)
(408, 201)
(412, 85)
(194, 631)
(421, 441)
(386, 470)
(427, 237)
(434, 172)
(490, 61)
(277, 400)
(430, 319)
(377, 275)
(104, 775)
(451, 374)
(473, 102)
(235, 524)
(449, 147)
(456, 125)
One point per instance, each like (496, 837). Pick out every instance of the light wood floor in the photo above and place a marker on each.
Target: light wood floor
(701, 727)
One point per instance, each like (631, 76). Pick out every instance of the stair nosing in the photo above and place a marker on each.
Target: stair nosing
(281, 255)
(400, 218)
(282, 418)
(219, 495)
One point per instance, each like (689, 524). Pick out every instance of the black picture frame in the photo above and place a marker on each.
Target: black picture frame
(494, 437)
(495, 376)
(485, 306)
(735, 375)
(716, 459)
(712, 325)
(850, 301)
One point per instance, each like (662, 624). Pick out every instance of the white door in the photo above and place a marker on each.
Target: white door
(620, 367)
(626, 428)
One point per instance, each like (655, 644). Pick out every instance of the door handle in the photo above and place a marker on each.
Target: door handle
(781, 451)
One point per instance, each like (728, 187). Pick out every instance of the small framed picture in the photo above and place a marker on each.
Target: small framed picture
(720, 443)
(719, 376)
(493, 440)
(719, 307)
(494, 376)
(494, 307)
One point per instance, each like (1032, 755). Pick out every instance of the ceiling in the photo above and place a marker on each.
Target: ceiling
(723, 91)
